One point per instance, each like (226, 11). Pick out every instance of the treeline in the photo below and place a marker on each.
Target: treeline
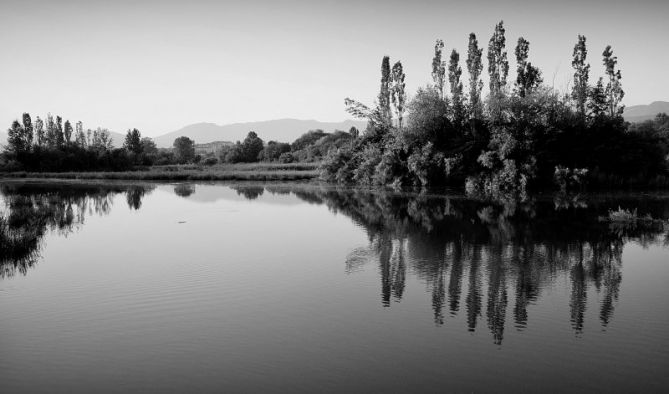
(522, 134)
(312, 146)
(52, 146)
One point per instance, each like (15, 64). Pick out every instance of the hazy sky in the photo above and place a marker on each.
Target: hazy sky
(160, 65)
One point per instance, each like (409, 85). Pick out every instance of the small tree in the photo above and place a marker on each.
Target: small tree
(184, 149)
(597, 103)
(15, 138)
(133, 142)
(149, 147)
(251, 147)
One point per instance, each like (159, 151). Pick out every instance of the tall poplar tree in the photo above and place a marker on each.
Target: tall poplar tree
(454, 74)
(51, 138)
(80, 137)
(528, 77)
(475, 67)
(67, 132)
(39, 131)
(398, 92)
(579, 91)
(59, 131)
(27, 130)
(614, 90)
(498, 65)
(439, 68)
(384, 92)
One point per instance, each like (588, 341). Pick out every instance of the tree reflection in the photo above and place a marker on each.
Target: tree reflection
(184, 189)
(30, 211)
(504, 251)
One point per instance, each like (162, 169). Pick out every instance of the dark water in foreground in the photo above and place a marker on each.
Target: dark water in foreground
(278, 288)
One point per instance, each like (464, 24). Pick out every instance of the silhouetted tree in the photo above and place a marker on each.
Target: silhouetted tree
(67, 132)
(498, 65)
(60, 138)
(580, 89)
(597, 100)
(457, 98)
(529, 77)
(475, 67)
(614, 90)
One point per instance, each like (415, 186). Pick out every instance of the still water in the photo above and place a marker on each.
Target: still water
(115, 287)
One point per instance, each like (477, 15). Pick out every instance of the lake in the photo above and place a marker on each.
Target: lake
(115, 287)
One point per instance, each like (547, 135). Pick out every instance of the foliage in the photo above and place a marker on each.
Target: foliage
(247, 151)
(184, 150)
(530, 136)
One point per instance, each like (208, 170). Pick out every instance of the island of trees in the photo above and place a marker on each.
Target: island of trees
(522, 134)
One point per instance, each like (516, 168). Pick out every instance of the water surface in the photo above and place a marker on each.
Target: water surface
(249, 287)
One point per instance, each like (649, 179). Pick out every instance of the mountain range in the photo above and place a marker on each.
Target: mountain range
(639, 113)
(283, 130)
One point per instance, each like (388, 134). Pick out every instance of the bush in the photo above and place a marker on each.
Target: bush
(210, 161)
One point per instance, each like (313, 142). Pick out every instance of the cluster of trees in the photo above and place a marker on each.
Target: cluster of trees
(51, 145)
(312, 146)
(521, 134)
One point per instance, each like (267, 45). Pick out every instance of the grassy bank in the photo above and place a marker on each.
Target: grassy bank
(221, 172)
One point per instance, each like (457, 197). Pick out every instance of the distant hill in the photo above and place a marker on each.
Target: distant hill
(283, 130)
(117, 139)
(639, 113)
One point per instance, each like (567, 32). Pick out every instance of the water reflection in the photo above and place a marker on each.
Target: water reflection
(494, 257)
(485, 261)
(30, 211)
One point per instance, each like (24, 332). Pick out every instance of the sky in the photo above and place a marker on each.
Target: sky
(161, 65)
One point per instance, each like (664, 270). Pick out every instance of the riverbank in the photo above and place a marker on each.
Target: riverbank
(221, 172)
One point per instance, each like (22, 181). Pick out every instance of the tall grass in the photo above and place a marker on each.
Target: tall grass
(224, 172)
